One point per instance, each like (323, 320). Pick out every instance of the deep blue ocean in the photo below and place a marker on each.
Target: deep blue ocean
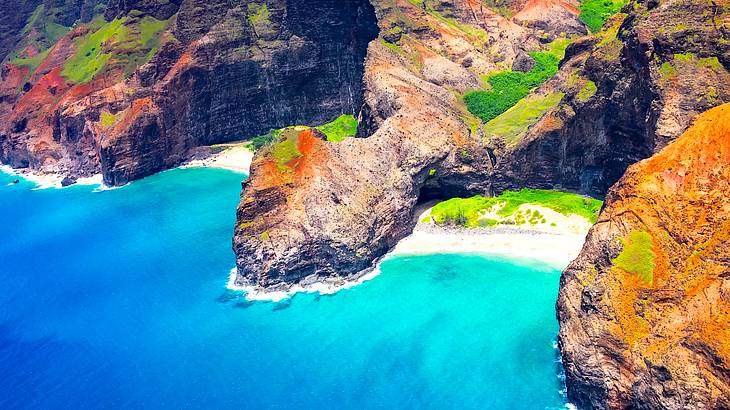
(117, 299)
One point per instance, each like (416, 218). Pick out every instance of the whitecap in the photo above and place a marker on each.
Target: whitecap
(327, 287)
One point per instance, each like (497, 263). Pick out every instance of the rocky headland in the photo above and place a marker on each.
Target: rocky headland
(315, 209)
(137, 89)
(451, 99)
(645, 309)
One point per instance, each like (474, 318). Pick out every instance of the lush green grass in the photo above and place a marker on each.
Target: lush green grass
(509, 87)
(514, 122)
(637, 256)
(594, 13)
(258, 13)
(286, 150)
(466, 211)
(566, 203)
(462, 211)
(32, 63)
(131, 45)
(89, 58)
(342, 127)
(263, 140)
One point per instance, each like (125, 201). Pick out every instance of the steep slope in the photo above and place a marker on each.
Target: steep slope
(630, 90)
(609, 105)
(645, 309)
(133, 93)
(31, 26)
(328, 210)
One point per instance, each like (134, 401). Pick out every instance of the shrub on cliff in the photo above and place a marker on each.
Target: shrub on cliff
(594, 13)
(509, 87)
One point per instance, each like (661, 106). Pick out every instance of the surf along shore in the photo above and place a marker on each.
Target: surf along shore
(539, 226)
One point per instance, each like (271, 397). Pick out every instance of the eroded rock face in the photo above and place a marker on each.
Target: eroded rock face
(629, 92)
(332, 209)
(220, 72)
(644, 310)
(357, 199)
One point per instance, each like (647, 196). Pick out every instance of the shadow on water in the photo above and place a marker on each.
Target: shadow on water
(244, 305)
(283, 305)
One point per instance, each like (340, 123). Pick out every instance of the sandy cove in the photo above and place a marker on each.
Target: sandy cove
(555, 244)
(235, 157)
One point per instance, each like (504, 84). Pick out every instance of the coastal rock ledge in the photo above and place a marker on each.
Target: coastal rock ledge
(644, 311)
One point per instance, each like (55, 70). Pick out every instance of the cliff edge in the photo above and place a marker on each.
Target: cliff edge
(644, 310)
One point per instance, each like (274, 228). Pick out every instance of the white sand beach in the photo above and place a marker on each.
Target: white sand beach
(235, 157)
(554, 249)
(556, 242)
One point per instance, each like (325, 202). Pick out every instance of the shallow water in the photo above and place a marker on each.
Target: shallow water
(118, 299)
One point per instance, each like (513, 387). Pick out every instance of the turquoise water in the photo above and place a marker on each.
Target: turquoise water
(117, 299)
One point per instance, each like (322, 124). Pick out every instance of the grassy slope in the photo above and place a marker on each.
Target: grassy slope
(342, 127)
(467, 211)
(509, 87)
(514, 122)
(130, 45)
(594, 13)
(637, 256)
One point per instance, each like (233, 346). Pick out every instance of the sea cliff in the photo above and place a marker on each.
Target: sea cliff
(644, 310)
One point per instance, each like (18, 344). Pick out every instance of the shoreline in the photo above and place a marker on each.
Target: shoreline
(553, 249)
(50, 180)
(235, 157)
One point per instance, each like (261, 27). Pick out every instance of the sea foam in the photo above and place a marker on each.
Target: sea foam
(257, 293)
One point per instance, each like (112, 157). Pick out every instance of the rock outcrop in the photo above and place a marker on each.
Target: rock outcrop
(629, 91)
(176, 75)
(644, 310)
(355, 201)
(328, 210)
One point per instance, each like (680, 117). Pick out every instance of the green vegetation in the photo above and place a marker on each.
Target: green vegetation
(286, 150)
(514, 122)
(594, 13)
(39, 33)
(259, 17)
(509, 87)
(130, 44)
(263, 140)
(32, 63)
(467, 211)
(589, 90)
(44, 22)
(107, 119)
(89, 59)
(637, 256)
(258, 13)
(342, 127)
(462, 211)
(669, 68)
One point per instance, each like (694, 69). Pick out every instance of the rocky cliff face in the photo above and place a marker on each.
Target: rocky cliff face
(621, 95)
(630, 90)
(645, 309)
(176, 75)
(327, 210)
